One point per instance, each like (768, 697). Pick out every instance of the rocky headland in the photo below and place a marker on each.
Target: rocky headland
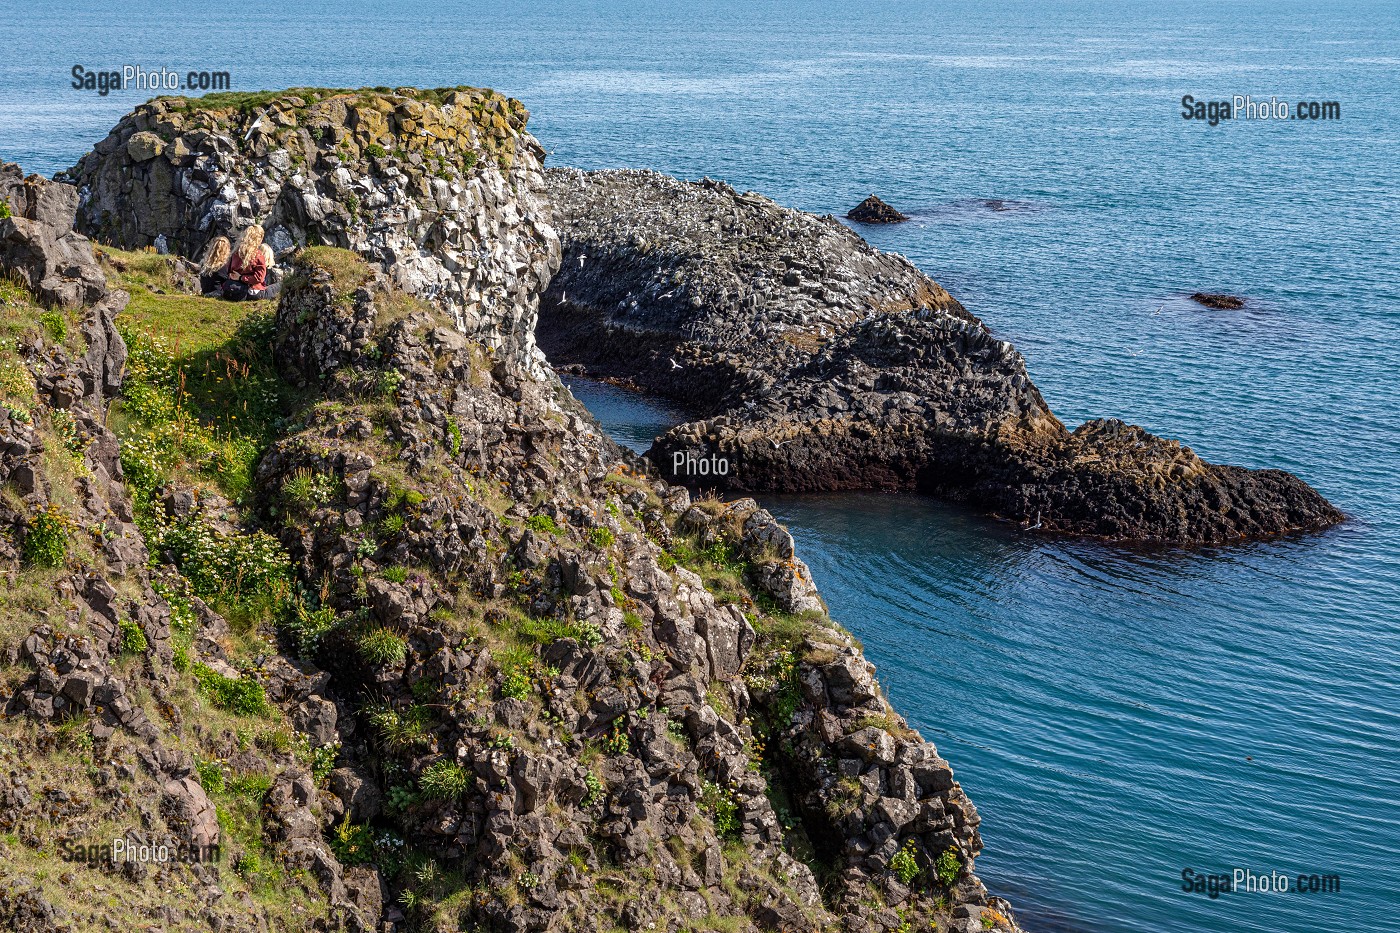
(814, 362)
(351, 587)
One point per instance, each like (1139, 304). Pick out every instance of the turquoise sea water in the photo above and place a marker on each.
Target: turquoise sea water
(1116, 715)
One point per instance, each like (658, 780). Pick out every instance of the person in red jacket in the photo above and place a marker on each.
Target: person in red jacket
(247, 268)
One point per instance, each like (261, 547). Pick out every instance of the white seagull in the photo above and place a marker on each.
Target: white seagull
(674, 364)
(1037, 523)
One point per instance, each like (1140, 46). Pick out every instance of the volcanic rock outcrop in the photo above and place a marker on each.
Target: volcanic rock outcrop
(488, 670)
(441, 188)
(814, 362)
(874, 211)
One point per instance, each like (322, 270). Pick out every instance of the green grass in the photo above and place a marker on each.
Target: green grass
(347, 270)
(445, 780)
(381, 646)
(543, 524)
(248, 101)
(243, 696)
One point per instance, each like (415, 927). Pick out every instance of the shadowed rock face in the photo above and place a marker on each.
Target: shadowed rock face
(39, 243)
(817, 363)
(438, 188)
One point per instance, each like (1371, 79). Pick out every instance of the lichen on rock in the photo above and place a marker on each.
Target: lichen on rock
(441, 189)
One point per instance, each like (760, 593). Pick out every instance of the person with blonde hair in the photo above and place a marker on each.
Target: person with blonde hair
(213, 268)
(248, 267)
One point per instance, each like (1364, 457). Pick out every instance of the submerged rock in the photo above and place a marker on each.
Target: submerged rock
(813, 362)
(874, 211)
(1220, 302)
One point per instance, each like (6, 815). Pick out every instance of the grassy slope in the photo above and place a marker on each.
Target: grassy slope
(201, 386)
(201, 403)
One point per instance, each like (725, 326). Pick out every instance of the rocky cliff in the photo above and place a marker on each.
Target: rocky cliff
(359, 594)
(440, 187)
(814, 362)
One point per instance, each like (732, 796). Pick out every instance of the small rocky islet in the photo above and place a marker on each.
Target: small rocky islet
(1218, 301)
(875, 211)
(350, 586)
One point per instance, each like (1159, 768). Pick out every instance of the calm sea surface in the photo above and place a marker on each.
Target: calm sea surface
(1117, 716)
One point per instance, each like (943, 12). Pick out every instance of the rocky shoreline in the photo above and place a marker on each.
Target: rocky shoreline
(444, 656)
(813, 362)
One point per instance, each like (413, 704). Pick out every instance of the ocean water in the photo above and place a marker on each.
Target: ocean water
(1117, 715)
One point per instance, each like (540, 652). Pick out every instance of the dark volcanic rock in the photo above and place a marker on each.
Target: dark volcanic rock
(1218, 301)
(39, 244)
(874, 211)
(816, 363)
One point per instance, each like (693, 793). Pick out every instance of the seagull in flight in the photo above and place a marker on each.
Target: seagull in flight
(1037, 522)
(776, 444)
(1158, 311)
(674, 364)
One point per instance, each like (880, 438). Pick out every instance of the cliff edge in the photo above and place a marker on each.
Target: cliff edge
(359, 594)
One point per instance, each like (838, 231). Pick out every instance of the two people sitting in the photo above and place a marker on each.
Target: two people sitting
(238, 273)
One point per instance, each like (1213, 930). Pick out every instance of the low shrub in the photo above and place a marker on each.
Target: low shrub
(46, 540)
(617, 742)
(244, 695)
(247, 571)
(352, 843)
(517, 673)
(55, 324)
(719, 802)
(595, 789)
(904, 864)
(304, 626)
(544, 524)
(133, 639)
(948, 867)
(211, 776)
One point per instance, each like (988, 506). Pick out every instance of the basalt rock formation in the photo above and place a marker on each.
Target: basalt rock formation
(362, 594)
(874, 211)
(814, 362)
(1219, 302)
(99, 740)
(441, 187)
